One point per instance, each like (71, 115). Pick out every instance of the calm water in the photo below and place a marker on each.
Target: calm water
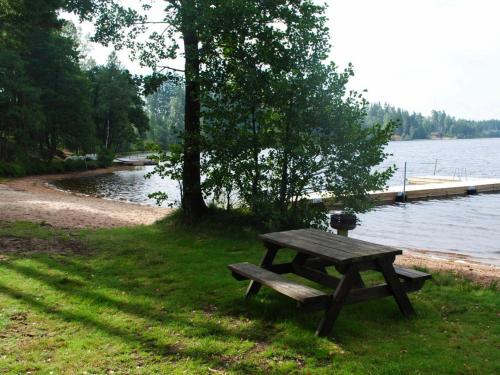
(466, 225)
(128, 185)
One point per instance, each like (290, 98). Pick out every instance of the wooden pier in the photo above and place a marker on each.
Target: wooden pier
(424, 187)
(138, 158)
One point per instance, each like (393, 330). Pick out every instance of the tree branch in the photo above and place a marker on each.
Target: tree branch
(149, 22)
(168, 67)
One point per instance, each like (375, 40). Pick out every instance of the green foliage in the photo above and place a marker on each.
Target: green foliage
(44, 99)
(437, 125)
(168, 163)
(105, 158)
(11, 169)
(277, 121)
(165, 108)
(160, 300)
(280, 125)
(45, 96)
(118, 108)
(36, 166)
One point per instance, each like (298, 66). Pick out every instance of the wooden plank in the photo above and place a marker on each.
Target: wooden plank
(392, 280)
(338, 249)
(305, 246)
(353, 244)
(298, 242)
(328, 242)
(316, 276)
(438, 188)
(267, 260)
(380, 291)
(281, 284)
(337, 302)
(410, 274)
(346, 244)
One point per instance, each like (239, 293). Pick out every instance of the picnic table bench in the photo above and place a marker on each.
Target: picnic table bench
(317, 250)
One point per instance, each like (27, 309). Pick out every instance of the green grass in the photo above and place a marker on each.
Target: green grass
(159, 299)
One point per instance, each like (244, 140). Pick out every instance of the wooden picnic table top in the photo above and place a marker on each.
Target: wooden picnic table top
(329, 246)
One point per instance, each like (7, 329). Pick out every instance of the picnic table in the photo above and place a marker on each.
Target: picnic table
(316, 251)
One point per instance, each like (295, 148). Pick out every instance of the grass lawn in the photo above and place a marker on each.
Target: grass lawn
(159, 299)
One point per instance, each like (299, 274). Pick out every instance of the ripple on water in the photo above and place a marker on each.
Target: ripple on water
(467, 225)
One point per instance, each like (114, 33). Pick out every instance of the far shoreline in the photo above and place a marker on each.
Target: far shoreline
(439, 139)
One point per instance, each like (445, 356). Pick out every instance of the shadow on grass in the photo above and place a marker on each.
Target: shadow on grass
(259, 325)
(265, 309)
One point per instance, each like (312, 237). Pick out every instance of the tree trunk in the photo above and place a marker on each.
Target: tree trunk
(283, 196)
(255, 150)
(192, 201)
(107, 135)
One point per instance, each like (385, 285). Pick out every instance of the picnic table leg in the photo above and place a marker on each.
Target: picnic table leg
(346, 283)
(358, 281)
(392, 280)
(267, 260)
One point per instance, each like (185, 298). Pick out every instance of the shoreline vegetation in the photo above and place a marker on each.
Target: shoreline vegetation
(34, 199)
(438, 125)
(397, 138)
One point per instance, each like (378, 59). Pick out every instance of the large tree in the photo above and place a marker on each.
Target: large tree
(202, 26)
(255, 72)
(279, 121)
(44, 95)
(117, 107)
(185, 20)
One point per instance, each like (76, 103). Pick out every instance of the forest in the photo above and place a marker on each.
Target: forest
(436, 126)
(54, 101)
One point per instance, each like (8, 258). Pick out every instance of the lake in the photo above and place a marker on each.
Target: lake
(469, 226)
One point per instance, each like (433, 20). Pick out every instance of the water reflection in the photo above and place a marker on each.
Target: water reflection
(128, 185)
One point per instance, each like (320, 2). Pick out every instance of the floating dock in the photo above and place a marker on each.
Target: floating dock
(424, 187)
(134, 162)
(136, 158)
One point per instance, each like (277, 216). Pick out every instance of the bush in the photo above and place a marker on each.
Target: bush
(12, 169)
(105, 158)
(34, 167)
(28, 166)
(75, 165)
(94, 164)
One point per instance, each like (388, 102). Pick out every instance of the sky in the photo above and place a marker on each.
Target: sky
(422, 55)
(417, 55)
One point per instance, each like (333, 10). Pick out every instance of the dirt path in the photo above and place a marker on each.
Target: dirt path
(31, 199)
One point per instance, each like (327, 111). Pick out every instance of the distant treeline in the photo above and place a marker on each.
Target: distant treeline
(437, 125)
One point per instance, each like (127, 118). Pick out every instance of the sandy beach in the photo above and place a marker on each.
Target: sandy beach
(32, 199)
